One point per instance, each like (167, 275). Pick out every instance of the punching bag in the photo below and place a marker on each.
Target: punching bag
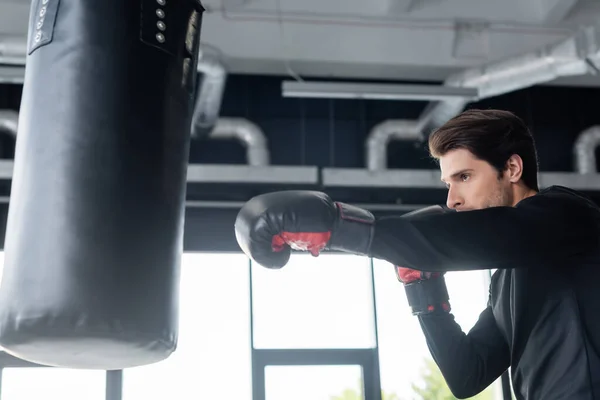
(95, 223)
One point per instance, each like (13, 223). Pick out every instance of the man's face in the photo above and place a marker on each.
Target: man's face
(473, 184)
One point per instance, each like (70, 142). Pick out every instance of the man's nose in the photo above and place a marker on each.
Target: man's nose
(454, 200)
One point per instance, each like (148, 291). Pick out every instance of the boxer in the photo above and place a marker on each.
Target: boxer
(542, 314)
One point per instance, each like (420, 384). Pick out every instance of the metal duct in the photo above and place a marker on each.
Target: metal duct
(565, 58)
(386, 131)
(247, 133)
(206, 122)
(585, 150)
(210, 92)
(9, 121)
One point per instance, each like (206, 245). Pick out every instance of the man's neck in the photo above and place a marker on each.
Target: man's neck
(521, 192)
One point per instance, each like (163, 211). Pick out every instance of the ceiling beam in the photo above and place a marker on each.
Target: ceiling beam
(370, 91)
(555, 10)
(231, 5)
(406, 6)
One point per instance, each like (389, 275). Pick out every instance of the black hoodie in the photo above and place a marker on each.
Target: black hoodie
(543, 314)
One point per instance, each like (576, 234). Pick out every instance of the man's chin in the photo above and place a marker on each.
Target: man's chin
(475, 208)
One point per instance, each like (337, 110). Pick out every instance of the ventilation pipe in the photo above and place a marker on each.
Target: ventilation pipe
(210, 92)
(248, 134)
(566, 58)
(9, 121)
(585, 150)
(206, 123)
(385, 132)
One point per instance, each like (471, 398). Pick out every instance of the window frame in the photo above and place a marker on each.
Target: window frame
(113, 379)
(366, 358)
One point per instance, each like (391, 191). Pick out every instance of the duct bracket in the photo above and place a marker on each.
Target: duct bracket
(471, 40)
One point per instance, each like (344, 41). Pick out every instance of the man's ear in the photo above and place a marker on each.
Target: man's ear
(514, 168)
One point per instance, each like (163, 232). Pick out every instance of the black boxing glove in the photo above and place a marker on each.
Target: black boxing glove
(426, 292)
(269, 226)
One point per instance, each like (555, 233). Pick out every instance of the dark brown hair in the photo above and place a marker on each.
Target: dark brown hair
(492, 136)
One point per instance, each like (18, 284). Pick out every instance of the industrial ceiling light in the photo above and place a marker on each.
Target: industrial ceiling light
(368, 91)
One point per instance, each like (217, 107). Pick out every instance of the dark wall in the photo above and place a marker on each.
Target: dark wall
(332, 133)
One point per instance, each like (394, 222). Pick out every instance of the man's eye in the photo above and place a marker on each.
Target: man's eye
(464, 177)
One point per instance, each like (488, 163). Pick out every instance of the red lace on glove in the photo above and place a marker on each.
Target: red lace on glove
(313, 242)
(407, 275)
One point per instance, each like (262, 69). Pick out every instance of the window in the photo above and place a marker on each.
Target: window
(322, 382)
(403, 354)
(52, 384)
(213, 356)
(314, 302)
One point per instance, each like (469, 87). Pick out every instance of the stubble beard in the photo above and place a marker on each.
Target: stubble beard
(499, 198)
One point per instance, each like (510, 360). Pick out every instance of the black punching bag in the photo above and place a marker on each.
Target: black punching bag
(95, 223)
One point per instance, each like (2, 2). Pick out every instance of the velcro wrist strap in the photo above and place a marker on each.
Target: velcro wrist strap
(428, 296)
(353, 232)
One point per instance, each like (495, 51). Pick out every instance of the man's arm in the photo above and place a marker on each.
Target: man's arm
(469, 362)
(541, 228)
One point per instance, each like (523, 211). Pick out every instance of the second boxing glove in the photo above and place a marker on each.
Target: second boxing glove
(426, 292)
(269, 226)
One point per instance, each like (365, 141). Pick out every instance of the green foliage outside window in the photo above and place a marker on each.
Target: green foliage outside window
(433, 387)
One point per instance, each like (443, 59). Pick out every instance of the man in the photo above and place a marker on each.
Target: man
(543, 314)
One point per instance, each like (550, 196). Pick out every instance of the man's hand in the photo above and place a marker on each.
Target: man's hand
(269, 226)
(426, 291)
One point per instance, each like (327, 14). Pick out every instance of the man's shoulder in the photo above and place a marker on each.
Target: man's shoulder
(568, 194)
(558, 190)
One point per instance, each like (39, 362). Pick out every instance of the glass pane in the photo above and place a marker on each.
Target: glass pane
(327, 382)
(404, 357)
(314, 302)
(213, 357)
(53, 384)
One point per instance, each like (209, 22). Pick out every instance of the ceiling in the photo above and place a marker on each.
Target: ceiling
(375, 39)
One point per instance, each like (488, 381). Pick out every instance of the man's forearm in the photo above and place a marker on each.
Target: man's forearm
(469, 362)
(538, 230)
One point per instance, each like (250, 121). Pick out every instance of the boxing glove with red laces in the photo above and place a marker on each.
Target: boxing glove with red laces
(269, 226)
(426, 292)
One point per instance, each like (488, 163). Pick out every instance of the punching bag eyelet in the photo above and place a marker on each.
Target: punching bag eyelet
(161, 26)
(160, 38)
(161, 2)
(160, 13)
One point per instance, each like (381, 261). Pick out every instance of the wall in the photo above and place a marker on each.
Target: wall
(331, 133)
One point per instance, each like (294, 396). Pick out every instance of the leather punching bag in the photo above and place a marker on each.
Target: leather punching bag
(95, 224)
